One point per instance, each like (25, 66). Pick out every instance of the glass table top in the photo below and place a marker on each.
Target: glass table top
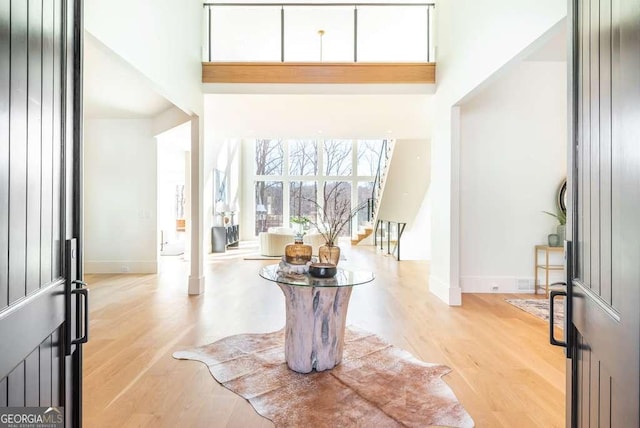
(343, 278)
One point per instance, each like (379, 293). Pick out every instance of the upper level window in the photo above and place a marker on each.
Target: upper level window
(269, 157)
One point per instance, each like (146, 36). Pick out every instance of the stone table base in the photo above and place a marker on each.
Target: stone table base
(314, 332)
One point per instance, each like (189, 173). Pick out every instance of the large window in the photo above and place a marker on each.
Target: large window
(269, 157)
(303, 196)
(337, 158)
(336, 174)
(365, 190)
(269, 205)
(303, 158)
(368, 157)
(337, 199)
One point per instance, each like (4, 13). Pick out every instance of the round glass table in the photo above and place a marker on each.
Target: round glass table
(316, 315)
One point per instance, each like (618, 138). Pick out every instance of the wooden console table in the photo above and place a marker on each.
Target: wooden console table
(545, 266)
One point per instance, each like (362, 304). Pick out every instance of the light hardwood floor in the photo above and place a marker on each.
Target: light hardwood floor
(504, 371)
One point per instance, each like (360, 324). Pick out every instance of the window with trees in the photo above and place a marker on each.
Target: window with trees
(338, 174)
(303, 157)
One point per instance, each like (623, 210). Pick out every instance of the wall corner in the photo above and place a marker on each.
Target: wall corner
(452, 296)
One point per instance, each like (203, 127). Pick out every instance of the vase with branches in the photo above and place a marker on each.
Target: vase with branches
(332, 218)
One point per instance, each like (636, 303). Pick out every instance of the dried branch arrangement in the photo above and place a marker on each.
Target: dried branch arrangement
(333, 215)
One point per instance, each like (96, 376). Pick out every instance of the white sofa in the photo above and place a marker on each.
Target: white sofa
(272, 243)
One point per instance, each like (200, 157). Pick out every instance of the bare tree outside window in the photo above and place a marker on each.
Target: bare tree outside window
(365, 190)
(180, 201)
(269, 157)
(303, 198)
(268, 194)
(337, 196)
(368, 157)
(337, 158)
(269, 205)
(303, 157)
(303, 175)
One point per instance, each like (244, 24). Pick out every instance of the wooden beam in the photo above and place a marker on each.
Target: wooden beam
(301, 72)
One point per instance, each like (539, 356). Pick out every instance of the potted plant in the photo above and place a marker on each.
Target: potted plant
(300, 223)
(561, 216)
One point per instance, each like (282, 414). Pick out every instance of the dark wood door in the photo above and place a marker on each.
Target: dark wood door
(604, 332)
(40, 87)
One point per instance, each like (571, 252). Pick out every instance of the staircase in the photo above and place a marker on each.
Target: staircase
(378, 185)
(399, 191)
(365, 230)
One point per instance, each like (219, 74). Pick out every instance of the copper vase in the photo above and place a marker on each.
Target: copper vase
(329, 254)
(298, 253)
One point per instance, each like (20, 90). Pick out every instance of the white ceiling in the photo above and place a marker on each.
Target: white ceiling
(113, 88)
(318, 115)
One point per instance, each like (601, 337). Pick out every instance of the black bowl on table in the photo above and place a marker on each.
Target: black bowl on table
(322, 270)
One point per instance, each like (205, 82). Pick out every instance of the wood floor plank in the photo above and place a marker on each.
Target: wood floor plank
(503, 369)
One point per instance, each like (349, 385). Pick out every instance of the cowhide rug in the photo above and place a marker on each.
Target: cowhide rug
(376, 385)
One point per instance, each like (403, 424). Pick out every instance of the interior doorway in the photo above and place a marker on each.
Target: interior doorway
(173, 166)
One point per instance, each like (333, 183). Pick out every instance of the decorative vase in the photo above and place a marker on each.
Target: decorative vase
(298, 253)
(554, 240)
(561, 232)
(329, 254)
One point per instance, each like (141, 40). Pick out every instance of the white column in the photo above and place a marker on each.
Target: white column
(455, 292)
(187, 204)
(196, 277)
(444, 189)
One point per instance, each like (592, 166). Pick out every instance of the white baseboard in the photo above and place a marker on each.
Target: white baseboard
(452, 296)
(120, 266)
(496, 284)
(196, 285)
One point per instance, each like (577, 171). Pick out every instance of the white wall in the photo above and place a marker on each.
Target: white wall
(416, 240)
(404, 197)
(474, 40)
(120, 196)
(168, 120)
(512, 160)
(358, 116)
(161, 38)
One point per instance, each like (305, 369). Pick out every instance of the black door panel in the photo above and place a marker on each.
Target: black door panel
(604, 328)
(40, 178)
